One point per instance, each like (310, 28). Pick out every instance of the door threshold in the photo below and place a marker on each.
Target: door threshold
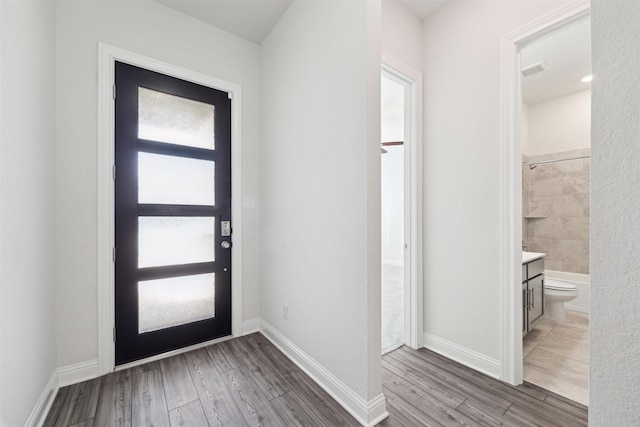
(171, 353)
(392, 348)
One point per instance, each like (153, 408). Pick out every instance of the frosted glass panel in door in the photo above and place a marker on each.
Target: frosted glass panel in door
(175, 180)
(169, 240)
(175, 301)
(168, 118)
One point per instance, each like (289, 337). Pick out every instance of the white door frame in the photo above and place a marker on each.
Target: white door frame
(511, 181)
(107, 55)
(413, 288)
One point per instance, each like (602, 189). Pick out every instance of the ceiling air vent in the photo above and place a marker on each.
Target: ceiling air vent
(536, 68)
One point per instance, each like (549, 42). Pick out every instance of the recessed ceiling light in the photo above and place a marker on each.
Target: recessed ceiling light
(587, 79)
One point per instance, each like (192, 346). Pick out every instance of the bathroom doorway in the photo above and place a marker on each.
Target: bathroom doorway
(555, 93)
(401, 240)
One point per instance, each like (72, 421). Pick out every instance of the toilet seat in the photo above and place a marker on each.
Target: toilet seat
(558, 285)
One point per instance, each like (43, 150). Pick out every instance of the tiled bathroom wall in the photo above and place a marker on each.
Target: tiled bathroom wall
(556, 209)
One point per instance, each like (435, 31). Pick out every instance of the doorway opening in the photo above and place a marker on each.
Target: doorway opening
(393, 207)
(108, 56)
(556, 123)
(401, 204)
(514, 300)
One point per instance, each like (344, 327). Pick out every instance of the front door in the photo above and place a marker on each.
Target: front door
(172, 213)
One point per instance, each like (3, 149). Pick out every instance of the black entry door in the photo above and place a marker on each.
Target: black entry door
(172, 213)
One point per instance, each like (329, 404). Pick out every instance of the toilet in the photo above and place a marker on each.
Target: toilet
(556, 293)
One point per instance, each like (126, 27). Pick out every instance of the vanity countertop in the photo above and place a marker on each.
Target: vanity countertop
(531, 256)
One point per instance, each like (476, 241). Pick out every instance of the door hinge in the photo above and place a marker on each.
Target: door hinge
(113, 172)
(114, 91)
(114, 334)
(114, 254)
(230, 95)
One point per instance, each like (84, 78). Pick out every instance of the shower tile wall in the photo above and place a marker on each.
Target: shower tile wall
(556, 210)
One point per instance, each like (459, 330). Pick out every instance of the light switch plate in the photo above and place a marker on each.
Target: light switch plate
(249, 203)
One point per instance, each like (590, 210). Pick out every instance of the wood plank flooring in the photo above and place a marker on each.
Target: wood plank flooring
(247, 381)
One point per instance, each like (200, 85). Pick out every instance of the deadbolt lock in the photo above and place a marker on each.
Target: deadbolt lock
(226, 228)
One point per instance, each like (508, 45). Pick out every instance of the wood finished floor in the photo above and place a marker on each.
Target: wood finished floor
(248, 381)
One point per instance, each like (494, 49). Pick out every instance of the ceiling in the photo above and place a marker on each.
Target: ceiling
(253, 19)
(567, 52)
(423, 8)
(250, 19)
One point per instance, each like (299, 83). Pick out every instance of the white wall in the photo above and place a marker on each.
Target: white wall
(614, 375)
(461, 164)
(320, 164)
(153, 30)
(560, 124)
(401, 34)
(27, 216)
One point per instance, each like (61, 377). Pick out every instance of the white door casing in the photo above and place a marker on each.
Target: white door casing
(412, 81)
(107, 55)
(511, 181)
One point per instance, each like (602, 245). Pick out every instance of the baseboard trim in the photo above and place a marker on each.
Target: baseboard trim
(467, 357)
(40, 411)
(377, 410)
(578, 308)
(250, 326)
(366, 413)
(78, 372)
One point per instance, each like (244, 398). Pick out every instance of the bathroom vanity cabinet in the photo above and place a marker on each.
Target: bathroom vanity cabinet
(532, 294)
